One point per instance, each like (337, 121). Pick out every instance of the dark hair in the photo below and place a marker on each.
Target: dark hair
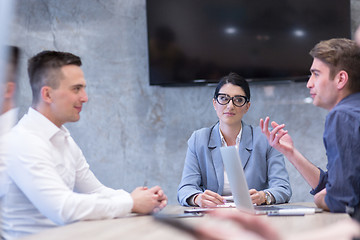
(13, 53)
(44, 69)
(234, 79)
(340, 54)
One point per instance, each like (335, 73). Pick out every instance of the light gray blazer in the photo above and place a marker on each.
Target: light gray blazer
(264, 166)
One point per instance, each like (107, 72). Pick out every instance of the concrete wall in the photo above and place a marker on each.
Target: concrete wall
(129, 131)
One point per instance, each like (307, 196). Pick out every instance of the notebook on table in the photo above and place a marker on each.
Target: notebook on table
(240, 189)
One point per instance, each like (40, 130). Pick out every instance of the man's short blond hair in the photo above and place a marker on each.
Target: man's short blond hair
(340, 54)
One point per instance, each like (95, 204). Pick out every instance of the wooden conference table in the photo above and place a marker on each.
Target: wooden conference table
(146, 227)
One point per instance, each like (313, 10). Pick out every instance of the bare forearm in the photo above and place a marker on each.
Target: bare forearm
(319, 200)
(280, 139)
(309, 171)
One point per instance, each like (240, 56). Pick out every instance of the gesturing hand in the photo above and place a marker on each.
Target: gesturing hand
(278, 137)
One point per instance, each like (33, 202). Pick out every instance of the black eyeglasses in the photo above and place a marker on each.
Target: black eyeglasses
(238, 100)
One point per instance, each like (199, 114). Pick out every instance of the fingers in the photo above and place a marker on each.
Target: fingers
(280, 135)
(274, 124)
(252, 191)
(163, 203)
(159, 196)
(209, 199)
(277, 133)
(264, 125)
(261, 123)
(244, 217)
(155, 189)
(256, 197)
(158, 192)
(249, 222)
(213, 197)
(162, 199)
(148, 200)
(208, 203)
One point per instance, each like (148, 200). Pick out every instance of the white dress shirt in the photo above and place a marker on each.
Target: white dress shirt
(50, 182)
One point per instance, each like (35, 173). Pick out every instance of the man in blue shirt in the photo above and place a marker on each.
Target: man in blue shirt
(334, 85)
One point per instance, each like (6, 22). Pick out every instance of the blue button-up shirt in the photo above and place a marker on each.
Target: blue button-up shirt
(342, 143)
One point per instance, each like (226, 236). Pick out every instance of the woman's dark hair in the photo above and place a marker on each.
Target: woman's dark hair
(234, 79)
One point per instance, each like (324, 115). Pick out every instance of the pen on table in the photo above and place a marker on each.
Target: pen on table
(271, 214)
(292, 212)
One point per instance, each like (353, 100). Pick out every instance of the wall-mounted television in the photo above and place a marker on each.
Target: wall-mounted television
(195, 42)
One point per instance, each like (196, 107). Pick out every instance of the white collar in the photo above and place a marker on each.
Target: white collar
(45, 126)
(223, 142)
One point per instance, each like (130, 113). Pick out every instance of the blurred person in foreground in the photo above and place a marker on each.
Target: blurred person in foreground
(49, 180)
(252, 227)
(8, 109)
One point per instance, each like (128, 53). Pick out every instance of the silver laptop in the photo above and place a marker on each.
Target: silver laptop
(240, 189)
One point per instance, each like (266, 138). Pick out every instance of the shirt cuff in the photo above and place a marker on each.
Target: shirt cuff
(273, 200)
(125, 203)
(191, 200)
(322, 182)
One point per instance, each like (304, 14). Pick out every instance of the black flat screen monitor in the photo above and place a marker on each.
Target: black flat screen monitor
(196, 42)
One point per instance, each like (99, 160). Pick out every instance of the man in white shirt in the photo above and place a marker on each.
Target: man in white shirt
(50, 182)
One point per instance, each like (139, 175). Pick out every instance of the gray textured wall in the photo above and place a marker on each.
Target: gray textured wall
(129, 131)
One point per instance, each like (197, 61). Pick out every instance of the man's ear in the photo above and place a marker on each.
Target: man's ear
(342, 79)
(10, 89)
(46, 94)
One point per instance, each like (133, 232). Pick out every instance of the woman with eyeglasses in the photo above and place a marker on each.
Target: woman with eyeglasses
(204, 181)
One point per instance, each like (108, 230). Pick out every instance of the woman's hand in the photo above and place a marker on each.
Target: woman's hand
(257, 197)
(209, 199)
